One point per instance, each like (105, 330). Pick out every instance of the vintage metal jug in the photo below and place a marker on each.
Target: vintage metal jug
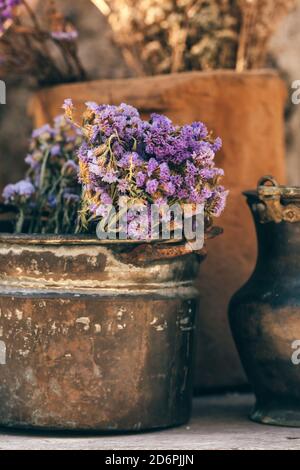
(265, 313)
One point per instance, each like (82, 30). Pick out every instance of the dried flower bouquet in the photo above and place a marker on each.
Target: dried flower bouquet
(77, 171)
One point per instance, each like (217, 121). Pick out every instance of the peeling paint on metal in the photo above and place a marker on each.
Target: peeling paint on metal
(84, 321)
(2, 353)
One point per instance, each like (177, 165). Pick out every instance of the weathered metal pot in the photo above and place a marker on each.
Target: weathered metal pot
(93, 336)
(265, 313)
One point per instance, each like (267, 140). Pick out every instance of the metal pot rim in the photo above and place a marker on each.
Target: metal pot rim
(49, 239)
(268, 187)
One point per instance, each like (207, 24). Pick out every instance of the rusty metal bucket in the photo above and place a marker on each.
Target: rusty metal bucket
(95, 336)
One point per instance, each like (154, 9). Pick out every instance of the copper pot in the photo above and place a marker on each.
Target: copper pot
(95, 336)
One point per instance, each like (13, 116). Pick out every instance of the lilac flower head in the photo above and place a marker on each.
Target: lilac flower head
(23, 189)
(152, 166)
(106, 199)
(123, 186)
(110, 176)
(140, 179)
(217, 145)
(45, 131)
(92, 106)
(129, 159)
(151, 186)
(164, 172)
(68, 107)
(55, 150)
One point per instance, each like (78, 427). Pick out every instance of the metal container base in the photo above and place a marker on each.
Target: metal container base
(277, 414)
(64, 429)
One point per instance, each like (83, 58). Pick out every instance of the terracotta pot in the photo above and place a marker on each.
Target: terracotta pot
(265, 313)
(246, 110)
(89, 339)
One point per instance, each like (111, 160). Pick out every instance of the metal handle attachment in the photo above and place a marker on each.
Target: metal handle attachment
(270, 208)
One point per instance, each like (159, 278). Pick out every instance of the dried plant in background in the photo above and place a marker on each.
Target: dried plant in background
(260, 19)
(174, 35)
(41, 47)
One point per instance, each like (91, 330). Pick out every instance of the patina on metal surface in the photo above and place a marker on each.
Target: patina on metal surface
(265, 313)
(95, 336)
(278, 203)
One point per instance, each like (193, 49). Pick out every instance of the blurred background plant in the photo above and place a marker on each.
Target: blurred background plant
(48, 199)
(178, 35)
(40, 46)
(174, 35)
(260, 19)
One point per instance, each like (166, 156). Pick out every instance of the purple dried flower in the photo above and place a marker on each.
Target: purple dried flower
(23, 189)
(95, 169)
(169, 188)
(151, 186)
(217, 145)
(68, 108)
(106, 199)
(210, 173)
(123, 186)
(152, 166)
(92, 106)
(140, 179)
(164, 172)
(138, 228)
(129, 159)
(45, 131)
(101, 211)
(55, 150)
(110, 177)
(218, 201)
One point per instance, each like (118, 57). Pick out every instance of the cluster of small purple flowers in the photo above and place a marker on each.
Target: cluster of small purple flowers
(24, 189)
(7, 11)
(48, 199)
(149, 162)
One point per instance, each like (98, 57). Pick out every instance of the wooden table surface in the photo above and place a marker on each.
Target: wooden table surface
(219, 422)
